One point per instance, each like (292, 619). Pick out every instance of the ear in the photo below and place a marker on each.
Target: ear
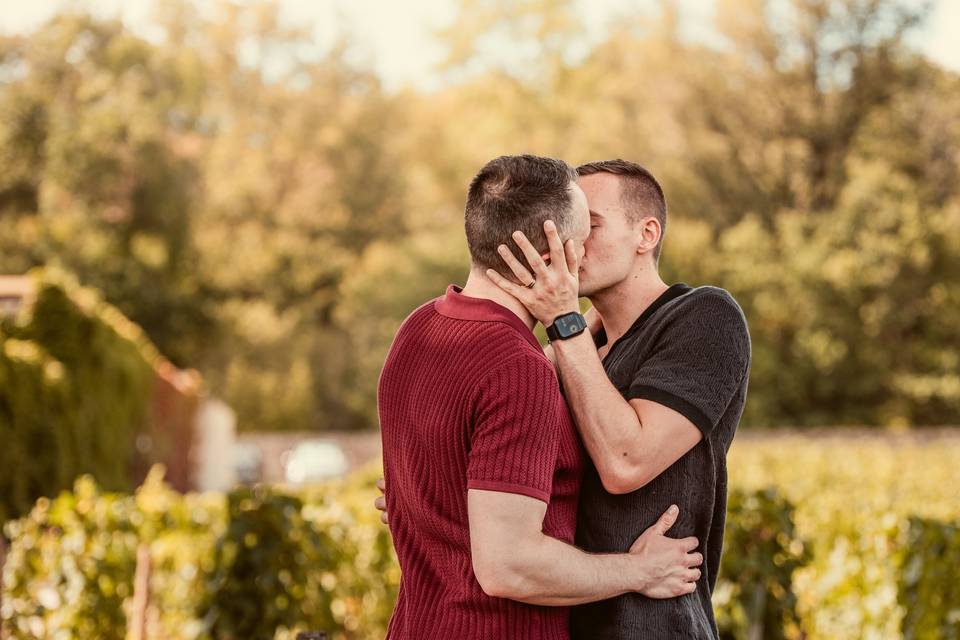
(649, 232)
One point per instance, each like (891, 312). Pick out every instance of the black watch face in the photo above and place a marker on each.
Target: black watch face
(570, 324)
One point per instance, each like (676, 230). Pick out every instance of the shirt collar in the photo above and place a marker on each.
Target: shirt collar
(456, 305)
(672, 292)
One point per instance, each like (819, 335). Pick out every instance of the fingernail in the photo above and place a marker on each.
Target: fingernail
(673, 509)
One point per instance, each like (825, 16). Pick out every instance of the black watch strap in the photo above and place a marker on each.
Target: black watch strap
(566, 326)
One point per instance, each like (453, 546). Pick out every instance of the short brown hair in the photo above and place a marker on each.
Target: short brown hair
(512, 193)
(640, 192)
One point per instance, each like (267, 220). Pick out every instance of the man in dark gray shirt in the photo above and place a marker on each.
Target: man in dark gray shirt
(657, 393)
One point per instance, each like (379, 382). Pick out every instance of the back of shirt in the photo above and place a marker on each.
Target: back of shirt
(467, 400)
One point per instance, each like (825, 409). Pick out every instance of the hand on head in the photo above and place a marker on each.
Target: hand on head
(553, 288)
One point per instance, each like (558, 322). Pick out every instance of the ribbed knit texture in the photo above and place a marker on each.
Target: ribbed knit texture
(689, 351)
(467, 400)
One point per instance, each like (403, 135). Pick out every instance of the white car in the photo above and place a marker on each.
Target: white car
(313, 461)
(247, 462)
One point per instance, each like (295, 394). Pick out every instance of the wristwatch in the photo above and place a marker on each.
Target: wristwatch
(566, 326)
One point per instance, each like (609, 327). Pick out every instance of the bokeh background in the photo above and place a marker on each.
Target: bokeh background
(214, 216)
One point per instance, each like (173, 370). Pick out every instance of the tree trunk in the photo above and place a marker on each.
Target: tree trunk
(137, 615)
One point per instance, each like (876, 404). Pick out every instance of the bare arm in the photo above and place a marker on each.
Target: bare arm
(631, 443)
(513, 558)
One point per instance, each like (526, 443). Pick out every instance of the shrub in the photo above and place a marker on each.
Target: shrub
(754, 596)
(70, 566)
(76, 378)
(34, 425)
(253, 563)
(831, 553)
(930, 581)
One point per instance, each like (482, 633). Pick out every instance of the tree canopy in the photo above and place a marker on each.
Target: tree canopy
(269, 214)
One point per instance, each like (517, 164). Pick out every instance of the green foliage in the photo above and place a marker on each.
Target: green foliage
(832, 552)
(929, 590)
(272, 226)
(33, 428)
(854, 497)
(77, 379)
(181, 532)
(363, 580)
(263, 578)
(254, 563)
(70, 566)
(754, 596)
(833, 294)
(94, 179)
(217, 207)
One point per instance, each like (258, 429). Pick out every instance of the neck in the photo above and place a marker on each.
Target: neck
(621, 304)
(478, 285)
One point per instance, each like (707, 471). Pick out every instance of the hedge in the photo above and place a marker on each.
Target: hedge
(33, 398)
(268, 562)
(254, 563)
(754, 597)
(929, 588)
(75, 382)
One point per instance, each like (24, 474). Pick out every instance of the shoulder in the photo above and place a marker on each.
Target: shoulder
(426, 310)
(714, 302)
(712, 314)
(418, 315)
(709, 295)
(500, 345)
(524, 363)
(520, 379)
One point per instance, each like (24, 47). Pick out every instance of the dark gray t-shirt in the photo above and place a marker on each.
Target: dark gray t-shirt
(690, 351)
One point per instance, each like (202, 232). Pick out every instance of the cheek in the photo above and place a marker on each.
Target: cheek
(605, 254)
(593, 241)
(597, 246)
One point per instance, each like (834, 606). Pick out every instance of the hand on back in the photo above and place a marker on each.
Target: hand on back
(670, 565)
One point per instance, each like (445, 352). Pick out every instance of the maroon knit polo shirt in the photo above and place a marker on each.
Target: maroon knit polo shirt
(468, 400)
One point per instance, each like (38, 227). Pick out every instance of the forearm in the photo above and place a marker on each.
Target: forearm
(553, 573)
(609, 426)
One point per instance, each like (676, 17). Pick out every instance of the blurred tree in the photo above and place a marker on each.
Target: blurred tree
(774, 111)
(216, 200)
(299, 177)
(851, 314)
(270, 214)
(88, 175)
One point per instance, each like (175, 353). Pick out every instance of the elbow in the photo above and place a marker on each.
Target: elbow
(509, 573)
(624, 478)
(499, 580)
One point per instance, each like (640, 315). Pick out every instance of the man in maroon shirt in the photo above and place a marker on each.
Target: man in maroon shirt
(481, 457)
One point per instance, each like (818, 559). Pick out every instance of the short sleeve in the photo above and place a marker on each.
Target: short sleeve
(699, 362)
(516, 432)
